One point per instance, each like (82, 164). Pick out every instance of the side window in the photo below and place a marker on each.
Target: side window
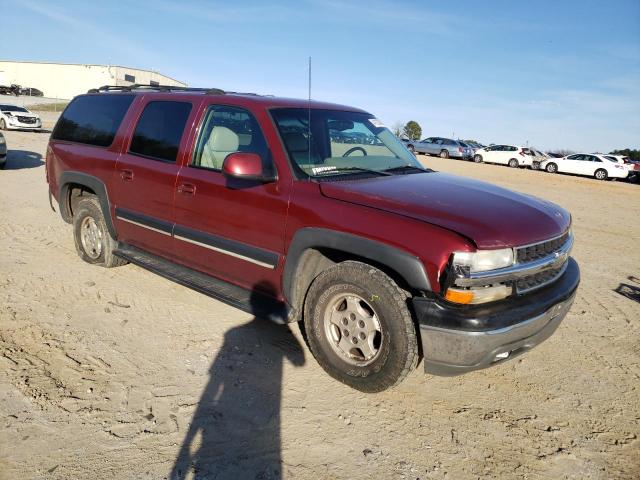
(92, 119)
(513, 149)
(159, 130)
(573, 157)
(595, 159)
(428, 140)
(226, 130)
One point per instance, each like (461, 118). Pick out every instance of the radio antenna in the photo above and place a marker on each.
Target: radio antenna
(309, 118)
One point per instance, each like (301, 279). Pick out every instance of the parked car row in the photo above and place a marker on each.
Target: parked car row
(18, 90)
(599, 166)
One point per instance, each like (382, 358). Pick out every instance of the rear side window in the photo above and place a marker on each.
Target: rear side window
(92, 119)
(160, 129)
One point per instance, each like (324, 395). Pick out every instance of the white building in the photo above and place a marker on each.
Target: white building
(66, 80)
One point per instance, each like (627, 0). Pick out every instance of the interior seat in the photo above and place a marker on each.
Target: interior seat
(222, 141)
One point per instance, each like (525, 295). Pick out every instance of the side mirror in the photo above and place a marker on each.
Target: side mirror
(245, 166)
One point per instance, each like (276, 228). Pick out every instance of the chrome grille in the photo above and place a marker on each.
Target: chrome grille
(27, 119)
(539, 280)
(540, 250)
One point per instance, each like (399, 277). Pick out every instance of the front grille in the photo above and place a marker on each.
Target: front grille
(27, 119)
(538, 280)
(539, 250)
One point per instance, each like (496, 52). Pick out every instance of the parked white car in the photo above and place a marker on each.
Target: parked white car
(505, 155)
(13, 117)
(588, 164)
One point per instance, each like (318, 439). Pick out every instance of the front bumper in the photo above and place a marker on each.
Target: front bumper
(16, 125)
(457, 339)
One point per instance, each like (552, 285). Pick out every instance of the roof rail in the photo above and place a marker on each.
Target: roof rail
(159, 88)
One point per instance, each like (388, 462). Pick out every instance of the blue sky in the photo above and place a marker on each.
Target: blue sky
(558, 74)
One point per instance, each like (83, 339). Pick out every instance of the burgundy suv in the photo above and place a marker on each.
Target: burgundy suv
(311, 212)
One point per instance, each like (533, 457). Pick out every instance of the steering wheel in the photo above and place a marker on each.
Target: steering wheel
(354, 149)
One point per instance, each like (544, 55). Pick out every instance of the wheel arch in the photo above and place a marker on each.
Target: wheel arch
(74, 184)
(313, 250)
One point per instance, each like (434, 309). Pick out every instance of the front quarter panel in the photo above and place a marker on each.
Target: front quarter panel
(431, 244)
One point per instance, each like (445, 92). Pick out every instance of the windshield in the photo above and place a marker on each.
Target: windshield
(338, 143)
(12, 108)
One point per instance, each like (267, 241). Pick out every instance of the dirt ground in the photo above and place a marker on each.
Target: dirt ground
(122, 374)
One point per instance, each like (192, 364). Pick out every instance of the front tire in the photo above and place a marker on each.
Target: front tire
(412, 149)
(477, 158)
(600, 174)
(359, 328)
(551, 168)
(444, 154)
(3, 125)
(92, 239)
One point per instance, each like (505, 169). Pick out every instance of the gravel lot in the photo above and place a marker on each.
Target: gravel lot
(102, 372)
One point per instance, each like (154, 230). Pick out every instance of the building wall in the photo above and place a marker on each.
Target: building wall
(65, 81)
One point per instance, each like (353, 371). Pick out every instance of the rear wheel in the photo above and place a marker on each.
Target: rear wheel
(93, 241)
(444, 154)
(513, 163)
(600, 174)
(551, 168)
(359, 327)
(477, 158)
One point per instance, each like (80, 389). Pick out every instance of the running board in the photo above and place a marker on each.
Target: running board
(257, 304)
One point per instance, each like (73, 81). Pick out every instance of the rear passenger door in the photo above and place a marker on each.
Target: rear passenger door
(232, 229)
(146, 174)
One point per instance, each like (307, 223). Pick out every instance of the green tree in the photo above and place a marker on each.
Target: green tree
(632, 154)
(413, 130)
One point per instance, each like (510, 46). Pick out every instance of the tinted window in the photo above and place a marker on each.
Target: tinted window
(129, 78)
(159, 130)
(93, 119)
(227, 130)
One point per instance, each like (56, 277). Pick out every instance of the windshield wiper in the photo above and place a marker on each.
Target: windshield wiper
(338, 171)
(407, 169)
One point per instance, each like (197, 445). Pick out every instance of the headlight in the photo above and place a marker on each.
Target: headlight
(483, 260)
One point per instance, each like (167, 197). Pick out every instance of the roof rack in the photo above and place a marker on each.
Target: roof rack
(159, 88)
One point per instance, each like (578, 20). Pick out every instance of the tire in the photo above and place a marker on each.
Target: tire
(444, 154)
(477, 158)
(412, 149)
(3, 164)
(600, 174)
(551, 167)
(362, 294)
(513, 163)
(92, 239)
(3, 125)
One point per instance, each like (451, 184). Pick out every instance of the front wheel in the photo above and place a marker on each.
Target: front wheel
(551, 168)
(3, 125)
(93, 241)
(601, 174)
(477, 158)
(412, 149)
(359, 328)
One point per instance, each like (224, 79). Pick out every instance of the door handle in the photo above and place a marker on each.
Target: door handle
(187, 189)
(126, 175)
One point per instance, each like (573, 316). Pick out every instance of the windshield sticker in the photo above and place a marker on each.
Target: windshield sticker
(317, 170)
(376, 123)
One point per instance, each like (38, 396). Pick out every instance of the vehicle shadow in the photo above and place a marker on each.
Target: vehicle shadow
(630, 291)
(235, 430)
(19, 159)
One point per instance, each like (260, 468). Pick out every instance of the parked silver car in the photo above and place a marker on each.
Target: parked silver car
(443, 147)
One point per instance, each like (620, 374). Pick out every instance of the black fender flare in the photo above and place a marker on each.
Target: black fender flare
(405, 264)
(77, 178)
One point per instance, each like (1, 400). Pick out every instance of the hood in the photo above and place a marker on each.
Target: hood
(491, 216)
(21, 114)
